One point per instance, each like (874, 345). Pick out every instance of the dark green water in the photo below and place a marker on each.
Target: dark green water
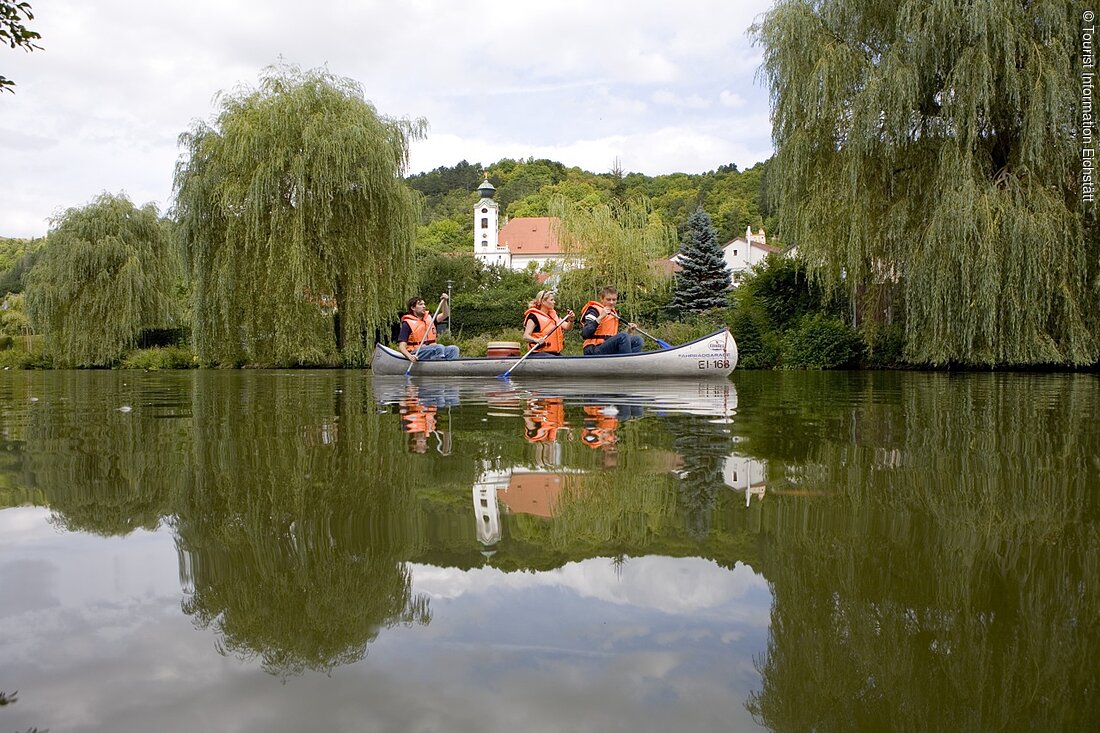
(299, 551)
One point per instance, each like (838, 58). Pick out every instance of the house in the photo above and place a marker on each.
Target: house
(741, 254)
(520, 242)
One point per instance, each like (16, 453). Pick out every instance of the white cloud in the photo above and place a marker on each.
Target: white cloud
(101, 106)
(731, 99)
(670, 585)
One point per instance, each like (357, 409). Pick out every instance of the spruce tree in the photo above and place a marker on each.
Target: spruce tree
(703, 282)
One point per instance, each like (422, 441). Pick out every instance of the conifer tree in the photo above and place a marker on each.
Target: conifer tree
(703, 282)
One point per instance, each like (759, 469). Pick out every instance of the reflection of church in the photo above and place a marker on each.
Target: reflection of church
(521, 491)
(749, 475)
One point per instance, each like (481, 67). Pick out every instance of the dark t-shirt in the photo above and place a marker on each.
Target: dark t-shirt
(404, 334)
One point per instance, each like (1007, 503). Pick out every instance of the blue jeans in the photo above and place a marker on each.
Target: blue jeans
(436, 352)
(620, 343)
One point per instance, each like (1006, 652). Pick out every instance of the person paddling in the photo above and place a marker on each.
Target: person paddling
(600, 327)
(416, 340)
(539, 323)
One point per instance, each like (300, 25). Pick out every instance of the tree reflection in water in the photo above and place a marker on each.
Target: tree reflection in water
(103, 469)
(293, 532)
(950, 583)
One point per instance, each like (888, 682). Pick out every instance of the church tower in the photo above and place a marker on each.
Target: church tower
(487, 247)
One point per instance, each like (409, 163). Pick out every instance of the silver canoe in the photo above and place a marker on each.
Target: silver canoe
(711, 356)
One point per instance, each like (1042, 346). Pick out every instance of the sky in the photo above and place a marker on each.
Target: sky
(662, 87)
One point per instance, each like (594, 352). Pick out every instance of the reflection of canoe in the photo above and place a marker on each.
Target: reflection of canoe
(712, 356)
(708, 397)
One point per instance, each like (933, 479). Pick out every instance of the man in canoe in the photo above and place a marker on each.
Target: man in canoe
(539, 323)
(416, 339)
(600, 327)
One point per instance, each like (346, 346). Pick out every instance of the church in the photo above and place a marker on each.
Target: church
(519, 242)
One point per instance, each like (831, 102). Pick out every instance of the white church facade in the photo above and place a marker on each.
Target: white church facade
(519, 243)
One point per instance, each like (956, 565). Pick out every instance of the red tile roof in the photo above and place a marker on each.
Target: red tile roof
(530, 235)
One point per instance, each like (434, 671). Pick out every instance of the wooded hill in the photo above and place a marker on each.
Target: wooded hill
(734, 199)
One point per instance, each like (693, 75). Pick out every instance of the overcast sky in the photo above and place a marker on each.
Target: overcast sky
(663, 87)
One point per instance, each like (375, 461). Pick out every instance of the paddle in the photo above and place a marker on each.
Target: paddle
(662, 344)
(419, 345)
(533, 347)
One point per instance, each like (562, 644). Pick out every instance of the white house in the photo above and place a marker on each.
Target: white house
(741, 254)
(519, 242)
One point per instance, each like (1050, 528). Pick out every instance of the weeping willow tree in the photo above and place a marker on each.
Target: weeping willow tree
(610, 244)
(933, 145)
(298, 227)
(107, 272)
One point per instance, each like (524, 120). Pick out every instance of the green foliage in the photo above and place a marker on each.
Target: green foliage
(885, 345)
(107, 272)
(498, 305)
(13, 316)
(936, 143)
(444, 236)
(703, 282)
(783, 292)
(14, 33)
(433, 271)
(25, 352)
(759, 346)
(161, 357)
(17, 257)
(616, 242)
(821, 342)
(292, 198)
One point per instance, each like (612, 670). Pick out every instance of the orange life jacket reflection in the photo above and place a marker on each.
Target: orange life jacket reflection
(416, 418)
(546, 322)
(542, 419)
(599, 429)
(607, 328)
(420, 330)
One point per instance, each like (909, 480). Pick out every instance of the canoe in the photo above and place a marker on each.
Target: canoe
(712, 356)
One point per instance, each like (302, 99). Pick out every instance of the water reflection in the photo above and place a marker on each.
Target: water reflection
(292, 532)
(931, 543)
(944, 556)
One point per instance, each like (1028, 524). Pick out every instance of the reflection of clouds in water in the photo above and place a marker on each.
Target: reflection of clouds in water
(669, 585)
(22, 525)
(119, 655)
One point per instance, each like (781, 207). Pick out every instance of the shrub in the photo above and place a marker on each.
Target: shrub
(821, 342)
(160, 357)
(6, 342)
(758, 347)
(16, 358)
(885, 345)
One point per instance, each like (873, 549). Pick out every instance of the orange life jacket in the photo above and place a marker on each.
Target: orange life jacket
(420, 329)
(607, 328)
(546, 322)
(548, 416)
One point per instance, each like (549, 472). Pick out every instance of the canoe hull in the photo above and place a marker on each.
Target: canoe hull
(712, 357)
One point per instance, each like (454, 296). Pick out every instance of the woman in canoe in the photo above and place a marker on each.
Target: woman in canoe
(540, 325)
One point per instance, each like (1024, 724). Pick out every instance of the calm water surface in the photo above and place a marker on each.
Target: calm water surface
(299, 551)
